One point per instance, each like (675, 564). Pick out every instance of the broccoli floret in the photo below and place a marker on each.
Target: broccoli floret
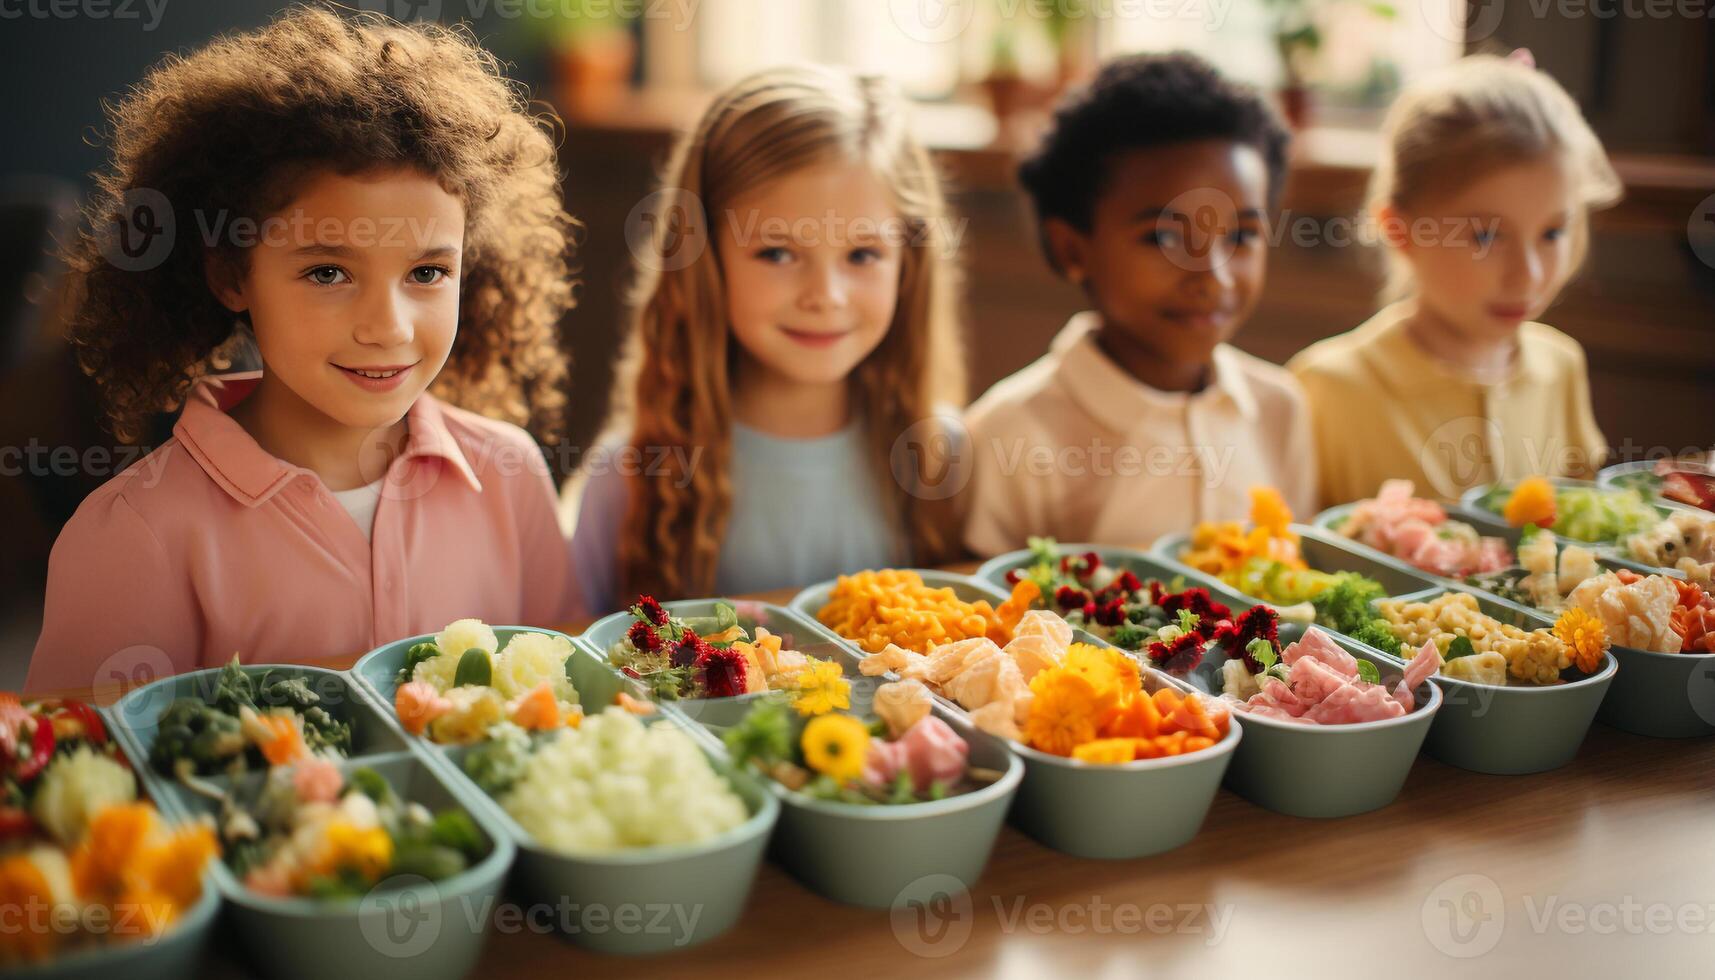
(1129, 636)
(1376, 633)
(1345, 604)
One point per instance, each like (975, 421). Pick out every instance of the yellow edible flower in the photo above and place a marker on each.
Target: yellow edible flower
(835, 746)
(822, 687)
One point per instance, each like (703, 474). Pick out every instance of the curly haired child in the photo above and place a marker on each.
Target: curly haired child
(1151, 191)
(373, 207)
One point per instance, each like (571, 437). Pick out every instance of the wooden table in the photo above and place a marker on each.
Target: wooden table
(1604, 868)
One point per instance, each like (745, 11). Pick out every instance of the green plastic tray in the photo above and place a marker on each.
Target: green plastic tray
(1089, 810)
(1512, 730)
(861, 855)
(431, 929)
(176, 953)
(1324, 770)
(649, 900)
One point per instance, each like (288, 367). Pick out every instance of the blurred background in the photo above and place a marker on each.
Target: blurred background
(627, 75)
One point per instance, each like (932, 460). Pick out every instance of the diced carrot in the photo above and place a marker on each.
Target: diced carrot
(633, 705)
(284, 743)
(1197, 743)
(536, 709)
(1146, 748)
(417, 703)
(1166, 700)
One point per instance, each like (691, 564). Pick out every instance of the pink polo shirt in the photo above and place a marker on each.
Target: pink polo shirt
(210, 546)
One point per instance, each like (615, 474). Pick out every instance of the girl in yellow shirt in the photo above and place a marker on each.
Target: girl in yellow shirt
(1482, 197)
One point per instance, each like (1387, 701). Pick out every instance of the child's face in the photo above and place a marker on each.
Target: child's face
(357, 276)
(1494, 253)
(1175, 256)
(811, 265)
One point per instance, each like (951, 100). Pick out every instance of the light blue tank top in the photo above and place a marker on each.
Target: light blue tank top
(803, 510)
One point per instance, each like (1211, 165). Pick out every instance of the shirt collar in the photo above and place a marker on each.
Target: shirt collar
(1395, 356)
(247, 472)
(1119, 401)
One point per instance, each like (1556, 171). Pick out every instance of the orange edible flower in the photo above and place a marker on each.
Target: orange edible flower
(1532, 502)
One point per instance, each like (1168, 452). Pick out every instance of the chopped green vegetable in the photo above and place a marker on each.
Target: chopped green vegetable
(1368, 672)
(763, 734)
(475, 669)
(1262, 651)
(1377, 633)
(1345, 604)
(418, 653)
(499, 762)
(1459, 647)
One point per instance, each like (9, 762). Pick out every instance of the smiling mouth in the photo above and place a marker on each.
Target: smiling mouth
(814, 337)
(378, 374)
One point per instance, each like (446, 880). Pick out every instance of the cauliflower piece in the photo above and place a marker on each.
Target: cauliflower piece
(466, 634)
(902, 704)
(1544, 590)
(531, 658)
(1237, 681)
(615, 784)
(1537, 554)
(438, 672)
(75, 787)
(1577, 564)
(1637, 615)
(1479, 668)
(473, 710)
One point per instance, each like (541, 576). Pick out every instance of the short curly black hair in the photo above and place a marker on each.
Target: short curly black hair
(1138, 102)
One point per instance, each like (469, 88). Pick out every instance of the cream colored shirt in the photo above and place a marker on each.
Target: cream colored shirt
(1384, 408)
(1075, 447)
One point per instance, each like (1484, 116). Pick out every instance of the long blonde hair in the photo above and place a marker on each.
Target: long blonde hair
(1480, 114)
(672, 388)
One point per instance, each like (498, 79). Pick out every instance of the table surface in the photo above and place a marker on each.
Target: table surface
(1605, 867)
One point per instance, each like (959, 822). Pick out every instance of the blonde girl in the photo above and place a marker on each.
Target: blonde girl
(778, 413)
(1481, 199)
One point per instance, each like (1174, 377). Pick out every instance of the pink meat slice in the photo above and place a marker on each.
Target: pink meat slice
(1319, 646)
(1421, 668)
(1354, 703)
